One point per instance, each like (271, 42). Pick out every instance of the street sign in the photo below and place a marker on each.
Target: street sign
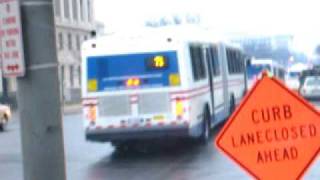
(274, 134)
(11, 44)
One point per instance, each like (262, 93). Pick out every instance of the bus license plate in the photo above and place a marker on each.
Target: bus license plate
(134, 121)
(158, 118)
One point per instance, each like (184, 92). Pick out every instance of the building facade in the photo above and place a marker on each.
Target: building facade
(74, 23)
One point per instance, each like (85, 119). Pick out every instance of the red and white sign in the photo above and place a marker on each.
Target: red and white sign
(11, 44)
(274, 134)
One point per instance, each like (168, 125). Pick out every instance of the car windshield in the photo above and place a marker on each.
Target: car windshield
(313, 81)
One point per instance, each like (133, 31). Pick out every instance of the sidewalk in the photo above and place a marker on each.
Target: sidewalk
(66, 109)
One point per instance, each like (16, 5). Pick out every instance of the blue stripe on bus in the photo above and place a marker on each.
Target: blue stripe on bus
(111, 72)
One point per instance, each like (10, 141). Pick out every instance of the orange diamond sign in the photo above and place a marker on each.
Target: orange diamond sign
(274, 134)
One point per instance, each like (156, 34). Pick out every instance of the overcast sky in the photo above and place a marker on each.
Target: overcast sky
(298, 17)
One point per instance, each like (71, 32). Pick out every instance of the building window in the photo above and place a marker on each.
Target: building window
(62, 74)
(57, 7)
(60, 41)
(75, 9)
(69, 41)
(78, 42)
(81, 10)
(71, 76)
(89, 11)
(66, 9)
(79, 72)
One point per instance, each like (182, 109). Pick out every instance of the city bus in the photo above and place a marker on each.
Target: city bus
(158, 87)
(255, 67)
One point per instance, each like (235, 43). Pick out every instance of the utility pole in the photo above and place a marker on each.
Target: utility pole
(39, 96)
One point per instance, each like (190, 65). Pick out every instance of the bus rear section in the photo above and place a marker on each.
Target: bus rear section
(129, 96)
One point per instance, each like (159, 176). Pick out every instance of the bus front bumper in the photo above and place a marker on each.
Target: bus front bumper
(141, 133)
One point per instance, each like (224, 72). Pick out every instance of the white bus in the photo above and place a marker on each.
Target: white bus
(255, 67)
(160, 87)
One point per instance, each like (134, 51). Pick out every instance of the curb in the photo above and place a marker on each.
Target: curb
(71, 109)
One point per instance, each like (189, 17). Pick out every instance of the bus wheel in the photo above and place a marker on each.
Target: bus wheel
(232, 105)
(124, 146)
(205, 135)
(3, 123)
(120, 146)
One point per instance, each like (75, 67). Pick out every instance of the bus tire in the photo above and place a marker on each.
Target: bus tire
(120, 146)
(205, 134)
(232, 104)
(3, 123)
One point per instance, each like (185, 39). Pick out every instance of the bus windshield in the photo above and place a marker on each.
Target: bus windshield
(255, 69)
(132, 71)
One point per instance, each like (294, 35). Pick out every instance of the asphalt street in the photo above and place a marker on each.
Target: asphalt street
(177, 160)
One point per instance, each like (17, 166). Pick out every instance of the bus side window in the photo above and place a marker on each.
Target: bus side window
(231, 61)
(235, 62)
(197, 61)
(242, 62)
(209, 58)
(239, 62)
(202, 65)
(215, 59)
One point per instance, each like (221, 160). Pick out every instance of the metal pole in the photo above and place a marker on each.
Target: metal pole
(4, 98)
(39, 97)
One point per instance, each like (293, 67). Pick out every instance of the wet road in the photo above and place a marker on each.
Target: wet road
(95, 161)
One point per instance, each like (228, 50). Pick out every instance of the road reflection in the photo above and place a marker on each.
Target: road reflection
(179, 159)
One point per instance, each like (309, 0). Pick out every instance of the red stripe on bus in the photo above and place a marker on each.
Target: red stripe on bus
(84, 99)
(190, 90)
(123, 126)
(110, 127)
(174, 123)
(148, 125)
(191, 96)
(161, 124)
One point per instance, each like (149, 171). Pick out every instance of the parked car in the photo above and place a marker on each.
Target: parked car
(310, 88)
(5, 116)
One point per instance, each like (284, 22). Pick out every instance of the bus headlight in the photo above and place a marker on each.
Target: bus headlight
(174, 79)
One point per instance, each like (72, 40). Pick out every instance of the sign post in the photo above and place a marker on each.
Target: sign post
(11, 52)
(274, 134)
(39, 96)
